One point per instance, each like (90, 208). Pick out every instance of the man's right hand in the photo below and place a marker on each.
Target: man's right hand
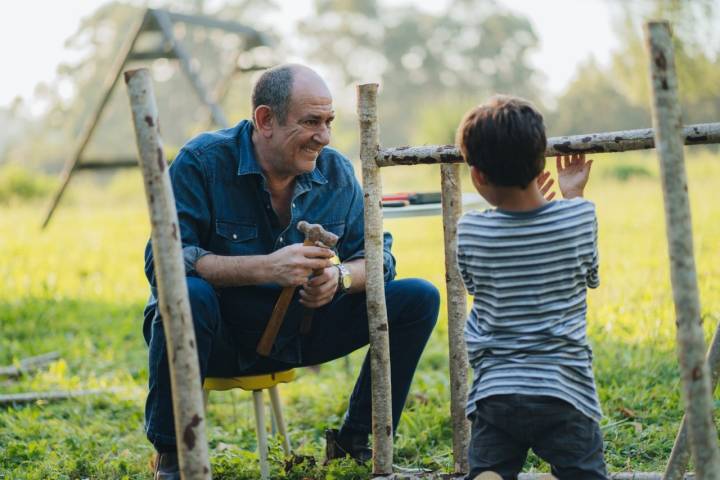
(292, 265)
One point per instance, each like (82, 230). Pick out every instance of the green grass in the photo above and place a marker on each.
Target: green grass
(78, 288)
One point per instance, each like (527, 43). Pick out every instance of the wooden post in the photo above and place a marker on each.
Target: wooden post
(695, 378)
(680, 454)
(457, 314)
(172, 287)
(375, 283)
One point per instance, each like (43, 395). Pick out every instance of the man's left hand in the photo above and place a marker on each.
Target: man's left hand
(320, 289)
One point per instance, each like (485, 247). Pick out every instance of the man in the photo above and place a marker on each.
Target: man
(240, 193)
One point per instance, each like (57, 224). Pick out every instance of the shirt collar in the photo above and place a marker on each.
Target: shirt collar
(248, 163)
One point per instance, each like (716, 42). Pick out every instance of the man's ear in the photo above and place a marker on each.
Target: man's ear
(478, 178)
(264, 120)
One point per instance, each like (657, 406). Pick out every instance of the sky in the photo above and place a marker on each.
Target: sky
(33, 33)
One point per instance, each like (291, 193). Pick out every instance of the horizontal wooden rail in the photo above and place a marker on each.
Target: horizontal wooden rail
(107, 164)
(606, 142)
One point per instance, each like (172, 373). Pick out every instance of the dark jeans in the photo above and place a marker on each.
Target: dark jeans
(337, 330)
(505, 427)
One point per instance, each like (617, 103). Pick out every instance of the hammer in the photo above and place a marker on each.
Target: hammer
(314, 235)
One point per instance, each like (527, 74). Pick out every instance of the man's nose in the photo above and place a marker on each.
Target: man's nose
(322, 136)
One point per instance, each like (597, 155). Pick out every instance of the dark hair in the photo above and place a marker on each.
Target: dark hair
(273, 89)
(504, 138)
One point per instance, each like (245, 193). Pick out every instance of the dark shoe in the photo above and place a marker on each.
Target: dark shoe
(167, 466)
(356, 445)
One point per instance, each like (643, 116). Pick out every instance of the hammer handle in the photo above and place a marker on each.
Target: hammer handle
(306, 324)
(276, 318)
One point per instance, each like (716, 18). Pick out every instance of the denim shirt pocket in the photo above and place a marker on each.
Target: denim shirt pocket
(236, 237)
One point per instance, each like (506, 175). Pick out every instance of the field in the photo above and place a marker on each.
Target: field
(78, 288)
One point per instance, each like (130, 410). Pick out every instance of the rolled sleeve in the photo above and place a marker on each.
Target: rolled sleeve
(191, 255)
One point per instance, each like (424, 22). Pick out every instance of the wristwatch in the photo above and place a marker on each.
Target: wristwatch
(344, 278)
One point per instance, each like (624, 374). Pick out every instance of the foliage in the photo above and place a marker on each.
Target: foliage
(472, 48)
(622, 89)
(78, 288)
(20, 184)
(73, 97)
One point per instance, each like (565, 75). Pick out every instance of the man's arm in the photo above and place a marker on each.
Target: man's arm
(290, 266)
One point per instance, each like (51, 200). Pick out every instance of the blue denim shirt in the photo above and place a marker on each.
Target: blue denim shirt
(224, 208)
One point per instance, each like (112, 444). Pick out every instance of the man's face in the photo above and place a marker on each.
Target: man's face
(307, 128)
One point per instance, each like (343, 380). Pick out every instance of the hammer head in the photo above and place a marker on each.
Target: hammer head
(316, 233)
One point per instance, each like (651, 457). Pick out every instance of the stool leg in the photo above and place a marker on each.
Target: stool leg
(261, 434)
(278, 414)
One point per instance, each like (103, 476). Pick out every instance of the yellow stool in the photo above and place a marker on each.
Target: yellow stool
(256, 384)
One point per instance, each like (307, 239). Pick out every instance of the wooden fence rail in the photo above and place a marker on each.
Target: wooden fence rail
(605, 142)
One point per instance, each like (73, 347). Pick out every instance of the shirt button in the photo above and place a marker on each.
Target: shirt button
(234, 236)
(293, 205)
(280, 239)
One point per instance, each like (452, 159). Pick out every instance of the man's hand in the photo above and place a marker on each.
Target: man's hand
(544, 183)
(573, 174)
(292, 265)
(320, 289)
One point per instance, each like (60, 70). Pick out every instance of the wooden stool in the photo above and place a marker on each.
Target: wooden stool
(256, 384)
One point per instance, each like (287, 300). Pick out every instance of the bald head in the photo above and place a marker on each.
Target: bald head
(277, 85)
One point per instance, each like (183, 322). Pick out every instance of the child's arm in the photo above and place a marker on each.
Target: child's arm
(573, 174)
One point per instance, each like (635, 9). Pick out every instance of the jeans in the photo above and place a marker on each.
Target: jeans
(505, 427)
(338, 329)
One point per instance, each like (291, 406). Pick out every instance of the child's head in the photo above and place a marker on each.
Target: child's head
(504, 139)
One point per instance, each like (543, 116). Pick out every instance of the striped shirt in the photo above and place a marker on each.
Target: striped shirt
(528, 273)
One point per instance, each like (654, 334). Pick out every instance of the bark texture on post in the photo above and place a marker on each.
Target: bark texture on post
(375, 283)
(691, 343)
(605, 142)
(680, 455)
(172, 287)
(457, 313)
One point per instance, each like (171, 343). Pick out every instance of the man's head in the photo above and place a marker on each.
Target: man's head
(292, 113)
(504, 140)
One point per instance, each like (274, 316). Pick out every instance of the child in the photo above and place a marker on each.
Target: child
(528, 264)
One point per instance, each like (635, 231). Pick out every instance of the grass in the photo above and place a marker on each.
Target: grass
(78, 288)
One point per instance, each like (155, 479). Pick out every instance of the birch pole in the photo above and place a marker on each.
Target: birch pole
(603, 142)
(375, 283)
(695, 377)
(680, 455)
(172, 287)
(457, 312)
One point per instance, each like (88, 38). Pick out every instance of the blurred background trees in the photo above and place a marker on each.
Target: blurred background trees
(432, 66)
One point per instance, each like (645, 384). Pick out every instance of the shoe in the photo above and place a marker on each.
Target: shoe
(167, 466)
(354, 445)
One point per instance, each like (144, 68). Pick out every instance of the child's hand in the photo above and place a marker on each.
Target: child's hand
(573, 174)
(544, 182)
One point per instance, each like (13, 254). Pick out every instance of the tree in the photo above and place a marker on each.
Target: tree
(423, 60)
(621, 91)
(50, 140)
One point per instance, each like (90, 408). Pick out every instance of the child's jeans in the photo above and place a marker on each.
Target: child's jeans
(504, 427)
